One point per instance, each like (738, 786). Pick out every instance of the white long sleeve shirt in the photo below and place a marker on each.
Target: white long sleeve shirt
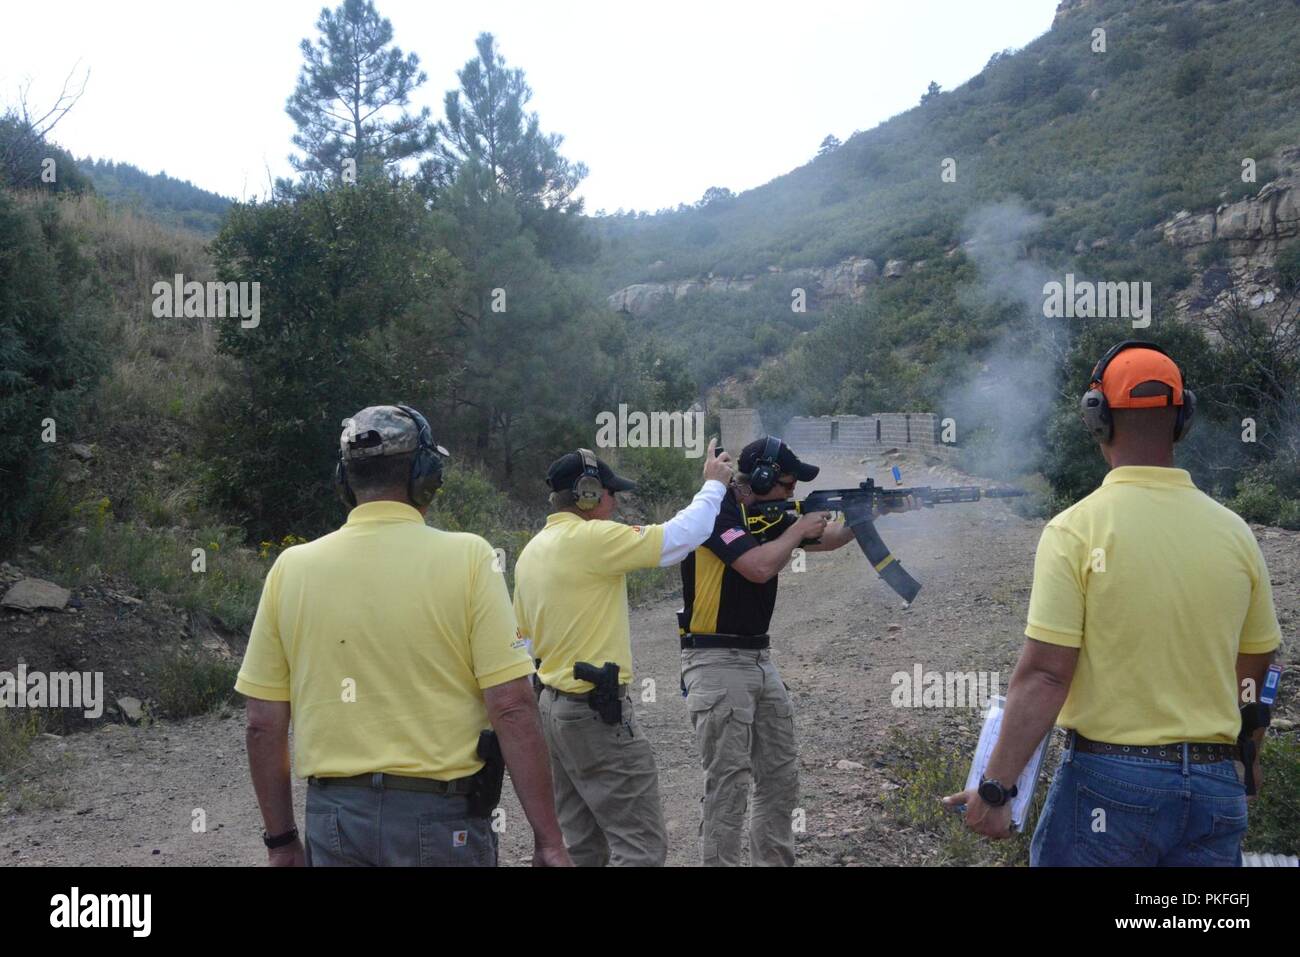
(689, 528)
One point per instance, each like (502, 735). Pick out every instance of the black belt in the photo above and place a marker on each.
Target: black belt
(1198, 752)
(398, 782)
(750, 642)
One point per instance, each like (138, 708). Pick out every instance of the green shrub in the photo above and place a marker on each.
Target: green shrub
(1288, 266)
(930, 769)
(1191, 75)
(189, 684)
(1274, 816)
(1258, 499)
(665, 478)
(50, 353)
(17, 731)
(163, 561)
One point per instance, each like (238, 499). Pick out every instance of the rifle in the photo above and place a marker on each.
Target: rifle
(859, 506)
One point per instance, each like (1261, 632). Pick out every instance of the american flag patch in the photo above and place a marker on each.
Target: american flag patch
(731, 534)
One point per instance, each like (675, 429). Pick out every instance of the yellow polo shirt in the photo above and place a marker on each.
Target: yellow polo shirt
(383, 635)
(571, 594)
(1160, 588)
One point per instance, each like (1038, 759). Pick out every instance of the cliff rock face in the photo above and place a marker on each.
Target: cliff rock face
(1252, 229)
(846, 280)
(1272, 213)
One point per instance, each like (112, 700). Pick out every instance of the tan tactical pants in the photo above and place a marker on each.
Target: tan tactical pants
(744, 724)
(606, 785)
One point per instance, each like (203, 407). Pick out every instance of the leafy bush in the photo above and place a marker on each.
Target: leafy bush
(1191, 75)
(1258, 499)
(336, 269)
(1274, 817)
(930, 769)
(50, 352)
(1288, 266)
(190, 684)
(163, 561)
(664, 477)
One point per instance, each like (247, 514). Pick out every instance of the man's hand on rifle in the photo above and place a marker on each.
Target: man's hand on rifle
(812, 525)
(901, 503)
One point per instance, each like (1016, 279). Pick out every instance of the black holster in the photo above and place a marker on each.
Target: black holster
(485, 786)
(606, 699)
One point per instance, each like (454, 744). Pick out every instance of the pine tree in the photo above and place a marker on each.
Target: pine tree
(350, 85)
(487, 123)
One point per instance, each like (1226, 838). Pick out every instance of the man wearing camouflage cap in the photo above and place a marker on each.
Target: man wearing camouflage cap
(393, 645)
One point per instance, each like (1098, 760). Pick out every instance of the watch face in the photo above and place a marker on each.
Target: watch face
(991, 793)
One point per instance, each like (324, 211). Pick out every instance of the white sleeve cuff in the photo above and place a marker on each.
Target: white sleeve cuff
(690, 527)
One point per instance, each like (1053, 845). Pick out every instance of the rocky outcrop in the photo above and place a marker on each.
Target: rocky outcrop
(845, 281)
(640, 298)
(1252, 229)
(1272, 213)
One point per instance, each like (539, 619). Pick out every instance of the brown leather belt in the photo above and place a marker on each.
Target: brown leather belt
(1198, 752)
(397, 782)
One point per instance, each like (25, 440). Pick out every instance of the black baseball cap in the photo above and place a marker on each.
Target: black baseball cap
(565, 470)
(786, 461)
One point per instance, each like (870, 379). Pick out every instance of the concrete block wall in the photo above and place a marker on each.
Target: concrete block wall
(855, 435)
(739, 427)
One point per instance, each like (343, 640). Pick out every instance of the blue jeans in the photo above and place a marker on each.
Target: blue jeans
(1121, 811)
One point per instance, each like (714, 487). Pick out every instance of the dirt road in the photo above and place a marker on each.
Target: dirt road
(133, 796)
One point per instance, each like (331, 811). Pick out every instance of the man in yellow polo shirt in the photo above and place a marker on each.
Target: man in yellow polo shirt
(571, 602)
(1151, 619)
(393, 646)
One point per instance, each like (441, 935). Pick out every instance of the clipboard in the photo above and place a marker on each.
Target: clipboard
(1028, 779)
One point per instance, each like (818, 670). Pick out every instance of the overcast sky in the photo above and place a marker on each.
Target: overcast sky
(661, 100)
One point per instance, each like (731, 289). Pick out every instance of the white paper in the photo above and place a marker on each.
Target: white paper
(984, 751)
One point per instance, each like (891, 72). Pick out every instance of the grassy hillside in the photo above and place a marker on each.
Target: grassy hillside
(1101, 144)
(158, 196)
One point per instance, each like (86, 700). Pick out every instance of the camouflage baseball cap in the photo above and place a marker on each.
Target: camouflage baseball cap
(379, 430)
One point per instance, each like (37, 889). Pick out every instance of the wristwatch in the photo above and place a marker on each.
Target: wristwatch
(994, 794)
(280, 840)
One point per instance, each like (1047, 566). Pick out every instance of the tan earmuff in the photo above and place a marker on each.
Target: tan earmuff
(588, 490)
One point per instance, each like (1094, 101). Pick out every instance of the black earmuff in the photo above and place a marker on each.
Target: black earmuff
(1095, 410)
(763, 476)
(588, 490)
(426, 467)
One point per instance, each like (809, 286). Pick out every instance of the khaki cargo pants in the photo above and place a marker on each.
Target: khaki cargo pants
(744, 724)
(606, 785)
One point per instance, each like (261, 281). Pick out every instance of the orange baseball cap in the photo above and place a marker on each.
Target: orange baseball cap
(1131, 368)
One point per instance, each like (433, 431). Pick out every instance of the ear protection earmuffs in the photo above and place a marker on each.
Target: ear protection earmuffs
(426, 467)
(588, 490)
(1096, 410)
(765, 472)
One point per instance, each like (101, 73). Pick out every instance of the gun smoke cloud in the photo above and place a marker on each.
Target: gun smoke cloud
(1010, 393)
